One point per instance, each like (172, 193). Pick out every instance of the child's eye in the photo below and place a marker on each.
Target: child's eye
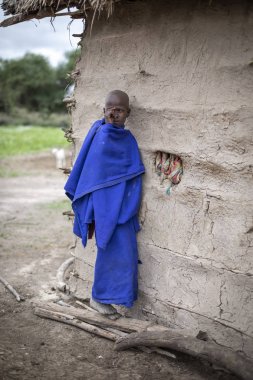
(119, 110)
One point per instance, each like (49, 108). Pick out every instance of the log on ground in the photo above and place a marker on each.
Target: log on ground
(212, 352)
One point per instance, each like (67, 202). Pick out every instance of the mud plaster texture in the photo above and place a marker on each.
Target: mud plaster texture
(34, 241)
(188, 70)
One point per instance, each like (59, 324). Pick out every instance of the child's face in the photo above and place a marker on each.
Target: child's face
(116, 110)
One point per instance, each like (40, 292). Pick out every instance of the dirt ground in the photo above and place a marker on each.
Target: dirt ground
(35, 239)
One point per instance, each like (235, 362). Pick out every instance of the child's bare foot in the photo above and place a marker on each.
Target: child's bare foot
(124, 311)
(102, 308)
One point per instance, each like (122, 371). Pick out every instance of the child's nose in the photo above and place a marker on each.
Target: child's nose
(113, 112)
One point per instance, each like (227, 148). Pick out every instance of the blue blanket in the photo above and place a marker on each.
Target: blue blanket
(105, 186)
(109, 156)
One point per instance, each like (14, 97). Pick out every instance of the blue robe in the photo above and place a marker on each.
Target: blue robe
(105, 187)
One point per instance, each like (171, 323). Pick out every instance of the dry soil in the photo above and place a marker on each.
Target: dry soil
(35, 240)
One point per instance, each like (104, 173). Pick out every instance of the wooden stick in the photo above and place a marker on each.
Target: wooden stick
(86, 307)
(11, 289)
(163, 352)
(69, 100)
(105, 332)
(123, 324)
(61, 274)
(68, 213)
(62, 303)
(119, 333)
(71, 320)
(113, 330)
(66, 170)
(218, 355)
(45, 12)
(76, 14)
(123, 334)
(80, 35)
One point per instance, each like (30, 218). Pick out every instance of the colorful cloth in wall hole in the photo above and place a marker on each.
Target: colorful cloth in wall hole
(169, 167)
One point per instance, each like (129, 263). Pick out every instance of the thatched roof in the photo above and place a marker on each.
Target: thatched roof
(23, 10)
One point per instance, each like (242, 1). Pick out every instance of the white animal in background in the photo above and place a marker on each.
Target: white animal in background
(60, 157)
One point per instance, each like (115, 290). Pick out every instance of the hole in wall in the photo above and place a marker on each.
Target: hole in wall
(169, 168)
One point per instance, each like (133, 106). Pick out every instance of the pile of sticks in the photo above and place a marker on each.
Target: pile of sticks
(93, 322)
(148, 337)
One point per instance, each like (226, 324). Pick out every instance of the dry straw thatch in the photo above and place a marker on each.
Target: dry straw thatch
(23, 10)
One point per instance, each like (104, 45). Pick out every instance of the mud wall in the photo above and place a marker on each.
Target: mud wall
(187, 67)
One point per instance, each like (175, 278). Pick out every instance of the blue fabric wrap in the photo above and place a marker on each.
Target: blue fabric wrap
(105, 186)
(116, 268)
(105, 182)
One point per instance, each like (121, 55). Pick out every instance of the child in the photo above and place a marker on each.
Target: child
(105, 188)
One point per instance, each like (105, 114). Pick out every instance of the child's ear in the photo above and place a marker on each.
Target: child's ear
(128, 112)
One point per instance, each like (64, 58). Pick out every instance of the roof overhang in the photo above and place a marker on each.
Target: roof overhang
(24, 10)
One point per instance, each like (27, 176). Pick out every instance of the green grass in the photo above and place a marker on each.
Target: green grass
(22, 140)
(63, 205)
(5, 173)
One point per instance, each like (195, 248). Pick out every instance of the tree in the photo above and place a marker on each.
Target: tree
(27, 82)
(32, 83)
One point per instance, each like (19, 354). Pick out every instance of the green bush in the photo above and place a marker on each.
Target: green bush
(21, 117)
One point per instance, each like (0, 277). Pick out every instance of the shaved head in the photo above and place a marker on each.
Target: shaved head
(121, 96)
(116, 107)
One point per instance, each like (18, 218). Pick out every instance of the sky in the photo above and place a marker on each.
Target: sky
(39, 36)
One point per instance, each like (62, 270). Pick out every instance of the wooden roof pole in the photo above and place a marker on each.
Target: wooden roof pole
(47, 12)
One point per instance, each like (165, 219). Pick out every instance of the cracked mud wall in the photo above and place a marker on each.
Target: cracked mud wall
(188, 69)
